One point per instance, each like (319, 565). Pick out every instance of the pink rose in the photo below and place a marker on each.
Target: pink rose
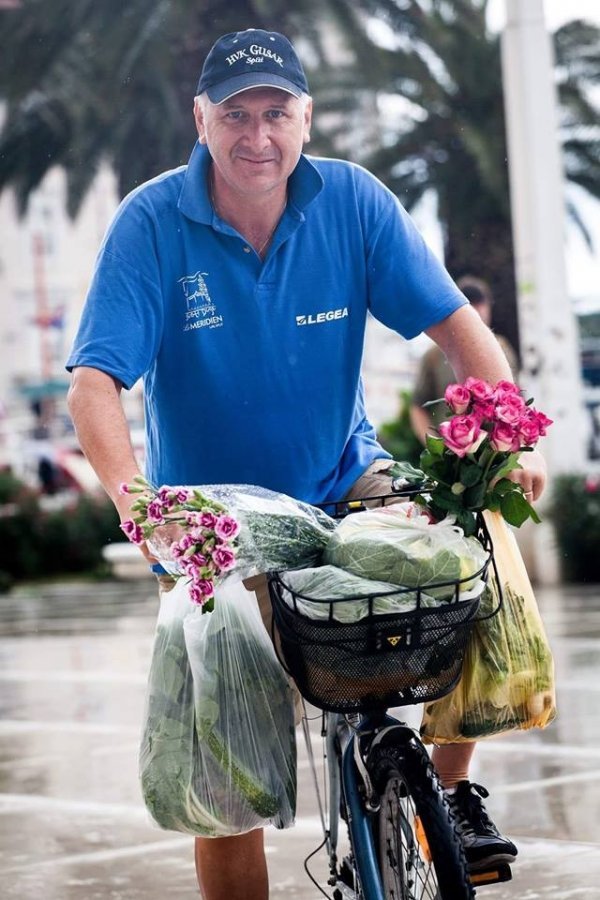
(458, 398)
(532, 426)
(182, 495)
(507, 387)
(224, 559)
(133, 531)
(124, 488)
(226, 528)
(504, 438)
(187, 541)
(543, 421)
(462, 434)
(484, 410)
(529, 431)
(510, 408)
(480, 390)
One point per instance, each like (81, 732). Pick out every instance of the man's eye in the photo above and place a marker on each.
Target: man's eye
(235, 114)
(275, 114)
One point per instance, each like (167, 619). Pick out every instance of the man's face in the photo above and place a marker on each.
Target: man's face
(255, 138)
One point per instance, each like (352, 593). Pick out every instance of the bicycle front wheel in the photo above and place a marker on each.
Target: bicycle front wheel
(420, 851)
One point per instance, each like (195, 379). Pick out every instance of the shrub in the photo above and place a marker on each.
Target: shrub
(575, 512)
(397, 436)
(37, 543)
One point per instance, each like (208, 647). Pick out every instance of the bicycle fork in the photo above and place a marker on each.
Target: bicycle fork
(361, 800)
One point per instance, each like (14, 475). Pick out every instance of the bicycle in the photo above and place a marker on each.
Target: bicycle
(403, 841)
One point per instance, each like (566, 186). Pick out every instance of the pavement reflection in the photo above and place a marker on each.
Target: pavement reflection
(73, 665)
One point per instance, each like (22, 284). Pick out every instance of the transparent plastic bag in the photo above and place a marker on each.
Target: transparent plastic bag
(276, 531)
(508, 673)
(218, 753)
(390, 545)
(350, 592)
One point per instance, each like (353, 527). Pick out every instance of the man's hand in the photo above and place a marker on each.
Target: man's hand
(532, 477)
(162, 537)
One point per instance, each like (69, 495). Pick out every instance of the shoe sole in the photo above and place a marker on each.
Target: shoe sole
(491, 861)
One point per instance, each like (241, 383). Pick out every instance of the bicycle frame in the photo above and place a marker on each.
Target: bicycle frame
(354, 784)
(348, 777)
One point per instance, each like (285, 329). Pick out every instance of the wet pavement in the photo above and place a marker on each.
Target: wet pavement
(73, 665)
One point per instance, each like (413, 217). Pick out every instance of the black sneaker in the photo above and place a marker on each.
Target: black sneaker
(483, 843)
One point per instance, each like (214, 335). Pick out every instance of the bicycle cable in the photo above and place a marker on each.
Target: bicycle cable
(309, 873)
(313, 769)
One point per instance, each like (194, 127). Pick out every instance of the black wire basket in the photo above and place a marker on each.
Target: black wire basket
(394, 659)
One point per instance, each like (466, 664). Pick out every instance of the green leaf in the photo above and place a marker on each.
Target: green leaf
(503, 486)
(515, 508)
(435, 445)
(492, 501)
(407, 472)
(509, 464)
(467, 521)
(473, 497)
(469, 474)
(450, 504)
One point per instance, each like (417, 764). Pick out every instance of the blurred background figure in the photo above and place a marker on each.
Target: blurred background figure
(435, 374)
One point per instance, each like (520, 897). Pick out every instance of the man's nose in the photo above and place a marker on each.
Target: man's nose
(259, 133)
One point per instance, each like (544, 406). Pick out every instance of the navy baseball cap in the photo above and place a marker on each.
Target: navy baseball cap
(250, 59)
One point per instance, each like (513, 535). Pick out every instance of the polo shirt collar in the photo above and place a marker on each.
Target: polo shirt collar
(305, 184)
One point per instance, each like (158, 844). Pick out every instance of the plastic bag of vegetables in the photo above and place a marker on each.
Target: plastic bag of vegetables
(394, 545)
(326, 592)
(218, 752)
(508, 673)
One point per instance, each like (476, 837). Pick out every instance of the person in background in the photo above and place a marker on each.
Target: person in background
(238, 288)
(435, 372)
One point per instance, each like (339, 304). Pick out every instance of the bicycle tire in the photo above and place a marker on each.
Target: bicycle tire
(423, 861)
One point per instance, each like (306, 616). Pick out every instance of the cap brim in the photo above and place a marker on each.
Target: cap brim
(226, 89)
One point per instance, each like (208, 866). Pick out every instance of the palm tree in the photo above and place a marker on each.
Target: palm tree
(115, 81)
(110, 80)
(441, 59)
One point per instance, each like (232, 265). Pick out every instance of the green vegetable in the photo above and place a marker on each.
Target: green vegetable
(387, 545)
(218, 751)
(350, 592)
(276, 531)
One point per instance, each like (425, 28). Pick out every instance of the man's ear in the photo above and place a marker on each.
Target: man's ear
(199, 119)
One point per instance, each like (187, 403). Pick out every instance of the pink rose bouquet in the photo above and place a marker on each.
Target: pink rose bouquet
(205, 548)
(487, 429)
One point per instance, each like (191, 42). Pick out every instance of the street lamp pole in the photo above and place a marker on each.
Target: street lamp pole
(551, 369)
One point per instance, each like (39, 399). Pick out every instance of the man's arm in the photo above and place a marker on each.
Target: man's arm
(94, 402)
(472, 350)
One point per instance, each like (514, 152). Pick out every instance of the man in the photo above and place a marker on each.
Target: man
(435, 374)
(238, 288)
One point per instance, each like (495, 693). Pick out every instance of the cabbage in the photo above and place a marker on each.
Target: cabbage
(392, 546)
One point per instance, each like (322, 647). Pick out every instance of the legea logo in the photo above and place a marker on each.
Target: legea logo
(319, 318)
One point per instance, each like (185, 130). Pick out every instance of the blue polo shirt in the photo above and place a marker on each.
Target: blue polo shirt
(252, 369)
